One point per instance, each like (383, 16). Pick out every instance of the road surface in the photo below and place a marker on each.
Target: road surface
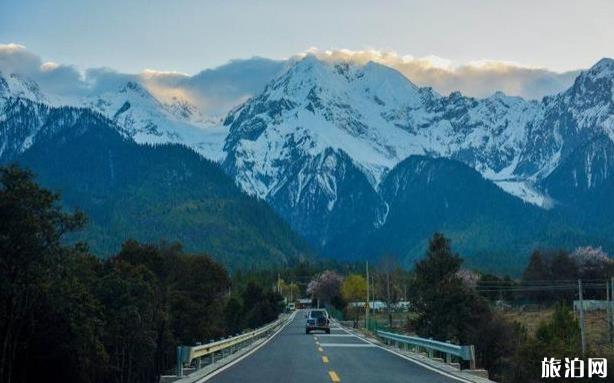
(293, 356)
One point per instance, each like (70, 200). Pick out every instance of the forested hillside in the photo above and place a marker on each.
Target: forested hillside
(153, 193)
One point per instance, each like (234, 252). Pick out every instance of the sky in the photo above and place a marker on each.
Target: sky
(523, 48)
(190, 35)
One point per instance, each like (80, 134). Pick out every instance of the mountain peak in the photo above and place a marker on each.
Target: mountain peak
(605, 62)
(602, 69)
(15, 85)
(135, 88)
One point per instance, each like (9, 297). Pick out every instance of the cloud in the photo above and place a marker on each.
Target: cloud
(217, 90)
(477, 78)
(54, 78)
(220, 89)
(214, 91)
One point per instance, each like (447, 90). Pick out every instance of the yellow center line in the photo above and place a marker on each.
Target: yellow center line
(324, 359)
(320, 349)
(334, 377)
(318, 343)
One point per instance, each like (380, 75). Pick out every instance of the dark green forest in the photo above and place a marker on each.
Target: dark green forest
(68, 314)
(152, 193)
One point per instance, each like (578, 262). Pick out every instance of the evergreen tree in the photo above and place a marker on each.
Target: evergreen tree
(439, 295)
(536, 269)
(31, 227)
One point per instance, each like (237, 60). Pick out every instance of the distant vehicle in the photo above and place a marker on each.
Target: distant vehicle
(317, 320)
(291, 306)
(303, 303)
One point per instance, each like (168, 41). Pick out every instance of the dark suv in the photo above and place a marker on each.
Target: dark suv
(317, 320)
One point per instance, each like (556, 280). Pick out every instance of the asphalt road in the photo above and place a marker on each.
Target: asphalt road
(293, 356)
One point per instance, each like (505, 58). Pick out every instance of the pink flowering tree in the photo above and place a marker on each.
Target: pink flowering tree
(469, 277)
(593, 262)
(325, 286)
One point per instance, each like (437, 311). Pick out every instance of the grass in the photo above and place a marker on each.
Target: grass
(595, 325)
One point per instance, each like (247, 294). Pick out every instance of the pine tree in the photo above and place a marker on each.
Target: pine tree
(31, 227)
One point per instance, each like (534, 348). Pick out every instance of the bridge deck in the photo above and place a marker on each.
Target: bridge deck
(293, 356)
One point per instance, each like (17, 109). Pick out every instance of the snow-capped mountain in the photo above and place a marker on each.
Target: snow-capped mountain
(147, 120)
(325, 140)
(322, 123)
(568, 120)
(316, 106)
(16, 86)
(137, 115)
(23, 110)
(376, 116)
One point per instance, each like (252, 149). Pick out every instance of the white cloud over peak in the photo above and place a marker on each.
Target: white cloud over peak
(55, 78)
(480, 78)
(217, 90)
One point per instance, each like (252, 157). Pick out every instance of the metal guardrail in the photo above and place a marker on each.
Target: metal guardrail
(187, 354)
(463, 352)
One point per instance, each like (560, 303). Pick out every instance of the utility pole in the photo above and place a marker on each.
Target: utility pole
(278, 283)
(388, 297)
(611, 306)
(582, 334)
(367, 305)
(609, 309)
(404, 290)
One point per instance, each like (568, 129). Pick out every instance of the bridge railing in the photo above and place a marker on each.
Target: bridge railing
(466, 353)
(226, 346)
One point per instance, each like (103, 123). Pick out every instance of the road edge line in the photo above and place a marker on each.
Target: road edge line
(250, 352)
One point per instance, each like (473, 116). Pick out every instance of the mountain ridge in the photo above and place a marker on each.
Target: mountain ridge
(320, 141)
(152, 193)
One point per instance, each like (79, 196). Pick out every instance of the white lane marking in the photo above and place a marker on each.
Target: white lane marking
(346, 345)
(339, 335)
(417, 362)
(213, 373)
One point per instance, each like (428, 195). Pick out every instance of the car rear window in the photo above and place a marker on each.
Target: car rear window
(318, 314)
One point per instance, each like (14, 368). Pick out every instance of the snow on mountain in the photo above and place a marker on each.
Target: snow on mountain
(569, 120)
(147, 120)
(370, 112)
(315, 106)
(19, 123)
(137, 113)
(376, 116)
(527, 192)
(14, 85)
